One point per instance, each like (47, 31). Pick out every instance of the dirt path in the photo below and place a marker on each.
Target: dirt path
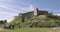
(57, 29)
(1, 29)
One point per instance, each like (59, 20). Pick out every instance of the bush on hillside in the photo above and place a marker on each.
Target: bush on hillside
(49, 23)
(36, 23)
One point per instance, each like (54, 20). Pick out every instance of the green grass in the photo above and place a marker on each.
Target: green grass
(30, 30)
(11, 30)
(37, 30)
(1, 25)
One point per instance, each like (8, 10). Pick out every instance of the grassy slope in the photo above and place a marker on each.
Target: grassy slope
(22, 24)
(1, 25)
(31, 30)
(27, 21)
(26, 24)
(37, 30)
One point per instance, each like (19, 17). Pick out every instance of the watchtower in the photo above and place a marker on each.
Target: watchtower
(35, 12)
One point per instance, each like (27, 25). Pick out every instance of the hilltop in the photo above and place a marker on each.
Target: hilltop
(36, 18)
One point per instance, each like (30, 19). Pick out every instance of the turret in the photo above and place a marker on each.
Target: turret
(35, 11)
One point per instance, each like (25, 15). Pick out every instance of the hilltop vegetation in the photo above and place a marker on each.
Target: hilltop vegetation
(39, 21)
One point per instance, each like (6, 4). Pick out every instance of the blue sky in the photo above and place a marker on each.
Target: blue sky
(11, 8)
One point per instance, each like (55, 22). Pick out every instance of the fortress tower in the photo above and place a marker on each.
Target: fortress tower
(35, 12)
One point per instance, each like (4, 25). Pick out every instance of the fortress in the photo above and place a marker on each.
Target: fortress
(33, 14)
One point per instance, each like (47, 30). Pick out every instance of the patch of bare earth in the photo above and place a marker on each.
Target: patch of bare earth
(57, 29)
(1, 29)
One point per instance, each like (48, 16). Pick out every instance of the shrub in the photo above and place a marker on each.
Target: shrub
(50, 23)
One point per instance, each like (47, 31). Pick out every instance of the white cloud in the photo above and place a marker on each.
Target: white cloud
(28, 8)
(31, 7)
(7, 15)
(11, 7)
(57, 14)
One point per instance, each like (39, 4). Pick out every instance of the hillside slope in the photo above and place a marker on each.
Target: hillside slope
(39, 21)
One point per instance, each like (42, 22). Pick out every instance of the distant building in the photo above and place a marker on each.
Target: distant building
(33, 14)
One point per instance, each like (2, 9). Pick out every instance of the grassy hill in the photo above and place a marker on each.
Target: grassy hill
(36, 18)
(29, 22)
(39, 21)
